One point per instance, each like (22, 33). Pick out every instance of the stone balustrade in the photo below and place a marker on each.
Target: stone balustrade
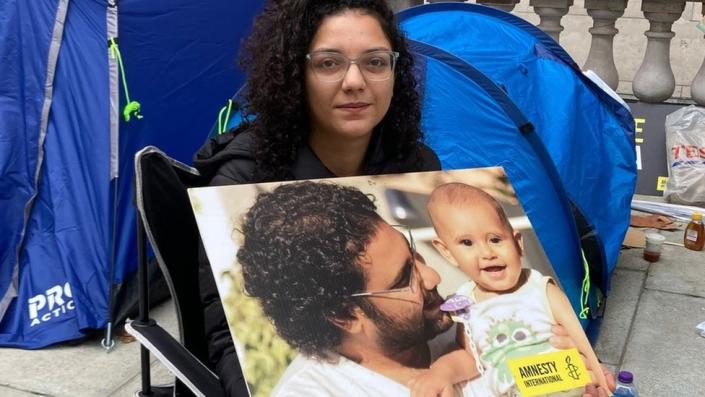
(631, 41)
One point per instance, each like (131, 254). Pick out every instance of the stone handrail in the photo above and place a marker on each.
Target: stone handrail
(654, 81)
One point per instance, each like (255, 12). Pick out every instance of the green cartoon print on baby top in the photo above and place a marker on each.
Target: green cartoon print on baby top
(511, 339)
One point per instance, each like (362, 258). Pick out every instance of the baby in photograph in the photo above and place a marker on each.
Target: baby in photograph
(511, 309)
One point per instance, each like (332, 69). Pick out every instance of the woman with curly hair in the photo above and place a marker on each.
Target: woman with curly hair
(330, 92)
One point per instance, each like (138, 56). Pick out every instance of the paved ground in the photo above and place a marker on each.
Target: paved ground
(82, 370)
(649, 324)
(648, 328)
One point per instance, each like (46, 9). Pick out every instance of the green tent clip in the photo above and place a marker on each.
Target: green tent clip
(132, 108)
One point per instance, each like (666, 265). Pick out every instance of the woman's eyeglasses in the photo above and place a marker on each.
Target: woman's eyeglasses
(331, 67)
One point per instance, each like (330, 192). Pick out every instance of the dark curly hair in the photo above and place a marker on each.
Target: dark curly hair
(274, 60)
(300, 258)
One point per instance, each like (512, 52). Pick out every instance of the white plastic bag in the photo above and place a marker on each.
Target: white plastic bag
(685, 146)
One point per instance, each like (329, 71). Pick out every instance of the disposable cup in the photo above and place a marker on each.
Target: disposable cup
(652, 249)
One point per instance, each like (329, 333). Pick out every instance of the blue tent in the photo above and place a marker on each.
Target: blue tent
(66, 218)
(498, 91)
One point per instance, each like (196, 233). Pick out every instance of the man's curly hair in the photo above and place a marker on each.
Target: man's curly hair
(301, 258)
(274, 61)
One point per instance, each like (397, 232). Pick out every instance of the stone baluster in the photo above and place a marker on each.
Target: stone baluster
(551, 12)
(600, 60)
(697, 88)
(505, 5)
(398, 5)
(654, 81)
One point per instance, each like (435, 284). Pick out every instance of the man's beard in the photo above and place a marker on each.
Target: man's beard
(399, 334)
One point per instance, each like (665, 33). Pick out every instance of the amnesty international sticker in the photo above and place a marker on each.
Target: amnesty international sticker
(549, 372)
(661, 183)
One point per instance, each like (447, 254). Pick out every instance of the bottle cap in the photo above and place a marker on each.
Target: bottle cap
(625, 377)
(697, 216)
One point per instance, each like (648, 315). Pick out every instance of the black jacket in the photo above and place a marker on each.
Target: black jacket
(228, 160)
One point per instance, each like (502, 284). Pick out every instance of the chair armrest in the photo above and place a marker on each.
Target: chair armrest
(184, 365)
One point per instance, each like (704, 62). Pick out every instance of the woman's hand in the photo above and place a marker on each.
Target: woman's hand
(597, 391)
(561, 340)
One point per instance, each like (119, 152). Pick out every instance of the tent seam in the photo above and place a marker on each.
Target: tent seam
(54, 47)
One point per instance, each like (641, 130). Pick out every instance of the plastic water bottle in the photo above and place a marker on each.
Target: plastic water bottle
(625, 385)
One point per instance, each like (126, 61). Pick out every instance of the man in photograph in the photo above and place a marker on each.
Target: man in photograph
(347, 290)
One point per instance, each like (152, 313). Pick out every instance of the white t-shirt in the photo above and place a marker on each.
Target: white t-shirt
(509, 326)
(312, 378)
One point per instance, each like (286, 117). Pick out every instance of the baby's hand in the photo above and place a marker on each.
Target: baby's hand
(431, 383)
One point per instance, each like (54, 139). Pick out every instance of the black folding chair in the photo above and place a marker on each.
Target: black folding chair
(165, 218)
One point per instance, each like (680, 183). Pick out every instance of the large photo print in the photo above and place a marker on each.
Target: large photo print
(418, 284)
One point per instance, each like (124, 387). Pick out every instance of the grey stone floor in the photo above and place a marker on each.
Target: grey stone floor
(650, 319)
(648, 328)
(82, 370)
